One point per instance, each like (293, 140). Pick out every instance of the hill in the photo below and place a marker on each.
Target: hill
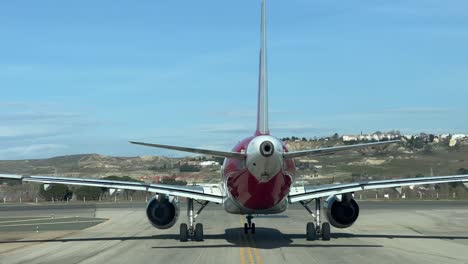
(93, 165)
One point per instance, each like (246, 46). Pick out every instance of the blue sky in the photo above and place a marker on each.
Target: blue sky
(87, 76)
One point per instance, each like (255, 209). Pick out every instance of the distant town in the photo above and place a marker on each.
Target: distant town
(451, 139)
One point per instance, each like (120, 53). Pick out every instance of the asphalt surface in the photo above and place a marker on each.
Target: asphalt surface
(43, 224)
(386, 232)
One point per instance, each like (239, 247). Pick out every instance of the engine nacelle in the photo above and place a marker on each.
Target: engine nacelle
(163, 211)
(341, 211)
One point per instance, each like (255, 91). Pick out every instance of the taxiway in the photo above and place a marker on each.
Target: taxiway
(386, 232)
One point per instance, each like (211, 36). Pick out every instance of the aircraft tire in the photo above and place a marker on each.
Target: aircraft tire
(326, 231)
(198, 232)
(310, 231)
(183, 236)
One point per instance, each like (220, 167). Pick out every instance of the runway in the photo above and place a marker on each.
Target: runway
(386, 232)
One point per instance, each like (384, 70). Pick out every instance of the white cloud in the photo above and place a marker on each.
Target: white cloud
(228, 128)
(36, 116)
(249, 129)
(31, 151)
(297, 127)
(26, 130)
(9, 106)
(412, 9)
(21, 120)
(251, 113)
(419, 110)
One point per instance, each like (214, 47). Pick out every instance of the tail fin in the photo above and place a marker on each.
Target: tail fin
(262, 111)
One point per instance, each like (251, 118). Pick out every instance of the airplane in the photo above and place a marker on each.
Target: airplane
(257, 178)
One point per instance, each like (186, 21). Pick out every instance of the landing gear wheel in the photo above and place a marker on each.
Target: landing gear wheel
(252, 229)
(198, 236)
(246, 228)
(183, 236)
(326, 231)
(311, 233)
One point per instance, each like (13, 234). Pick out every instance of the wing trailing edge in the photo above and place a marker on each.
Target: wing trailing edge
(313, 192)
(193, 192)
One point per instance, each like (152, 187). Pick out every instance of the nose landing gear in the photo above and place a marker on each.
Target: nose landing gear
(249, 225)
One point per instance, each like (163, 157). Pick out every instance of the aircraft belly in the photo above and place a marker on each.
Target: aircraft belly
(247, 192)
(233, 207)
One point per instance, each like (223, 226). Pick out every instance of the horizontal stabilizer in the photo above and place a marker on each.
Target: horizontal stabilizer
(331, 150)
(225, 154)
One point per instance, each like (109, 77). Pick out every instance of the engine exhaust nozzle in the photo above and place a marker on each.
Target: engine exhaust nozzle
(267, 149)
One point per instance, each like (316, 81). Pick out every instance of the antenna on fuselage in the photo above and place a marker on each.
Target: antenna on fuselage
(262, 111)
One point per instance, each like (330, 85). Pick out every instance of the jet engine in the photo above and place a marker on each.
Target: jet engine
(341, 210)
(163, 211)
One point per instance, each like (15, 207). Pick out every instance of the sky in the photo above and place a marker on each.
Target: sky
(88, 76)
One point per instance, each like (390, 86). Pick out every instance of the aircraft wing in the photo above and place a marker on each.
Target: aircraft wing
(331, 150)
(211, 194)
(311, 192)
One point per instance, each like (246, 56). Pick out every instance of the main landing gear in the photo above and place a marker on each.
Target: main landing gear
(249, 225)
(191, 231)
(316, 229)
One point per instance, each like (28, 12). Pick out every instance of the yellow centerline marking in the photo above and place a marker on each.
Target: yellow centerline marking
(249, 253)
(248, 248)
(257, 255)
(241, 250)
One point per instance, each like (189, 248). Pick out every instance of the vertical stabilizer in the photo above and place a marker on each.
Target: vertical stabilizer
(262, 111)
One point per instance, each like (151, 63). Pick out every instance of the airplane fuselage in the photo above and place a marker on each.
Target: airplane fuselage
(261, 182)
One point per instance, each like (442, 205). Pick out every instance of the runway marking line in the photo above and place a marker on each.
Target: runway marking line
(33, 219)
(241, 250)
(257, 255)
(248, 248)
(249, 252)
(23, 217)
(38, 224)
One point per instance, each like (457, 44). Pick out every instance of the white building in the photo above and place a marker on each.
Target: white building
(208, 163)
(458, 136)
(444, 136)
(452, 142)
(349, 138)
